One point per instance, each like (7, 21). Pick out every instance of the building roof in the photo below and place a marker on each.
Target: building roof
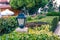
(4, 0)
(3, 4)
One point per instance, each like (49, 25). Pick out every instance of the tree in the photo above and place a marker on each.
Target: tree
(30, 5)
(52, 6)
(59, 8)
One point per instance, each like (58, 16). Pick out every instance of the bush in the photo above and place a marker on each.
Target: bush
(53, 14)
(32, 34)
(52, 20)
(38, 30)
(39, 17)
(26, 36)
(2, 24)
(42, 27)
(29, 18)
(8, 23)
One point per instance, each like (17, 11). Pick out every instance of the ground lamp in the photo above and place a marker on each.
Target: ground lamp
(21, 20)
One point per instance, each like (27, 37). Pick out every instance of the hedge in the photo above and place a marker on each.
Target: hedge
(26, 36)
(42, 27)
(38, 30)
(8, 23)
(29, 18)
(52, 20)
(54, 14)
(11, 22)
(39, 34)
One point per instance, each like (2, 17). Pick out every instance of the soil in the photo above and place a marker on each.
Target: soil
(34, 24)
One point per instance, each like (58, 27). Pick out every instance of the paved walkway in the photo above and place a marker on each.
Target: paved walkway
(57, 31)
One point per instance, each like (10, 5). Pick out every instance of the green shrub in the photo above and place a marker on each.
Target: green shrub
(52, 20)
(11, 23)
(8, 23)
(53, 14)
(2, 24)
(42, 27)
(39, 17)
(59, 18)
(26, 36)
(29, 18)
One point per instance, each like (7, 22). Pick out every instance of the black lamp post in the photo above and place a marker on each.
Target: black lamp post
(21, 20)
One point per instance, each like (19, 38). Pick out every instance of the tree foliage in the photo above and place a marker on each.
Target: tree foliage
(28, 4)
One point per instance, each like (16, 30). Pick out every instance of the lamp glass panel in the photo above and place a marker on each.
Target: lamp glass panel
(21, 21)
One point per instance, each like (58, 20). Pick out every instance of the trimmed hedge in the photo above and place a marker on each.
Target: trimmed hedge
(53, 14)
(52, 20)
(29, 18)
(8, 23)
(11, 22)
(39, 34)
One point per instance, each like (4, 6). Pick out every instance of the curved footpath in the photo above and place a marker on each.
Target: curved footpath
(57, 31)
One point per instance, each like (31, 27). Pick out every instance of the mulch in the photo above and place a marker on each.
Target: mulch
(35, 24)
